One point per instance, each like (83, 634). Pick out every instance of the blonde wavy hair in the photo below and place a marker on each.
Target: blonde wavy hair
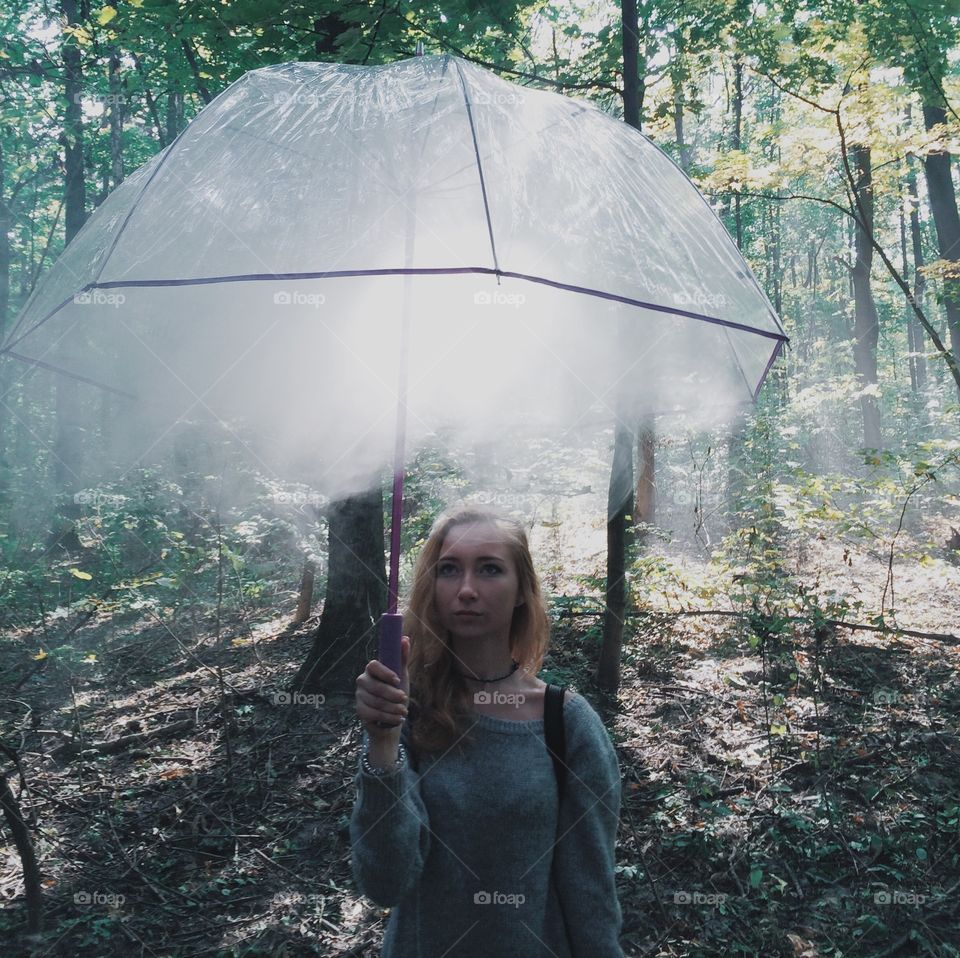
(438, 715)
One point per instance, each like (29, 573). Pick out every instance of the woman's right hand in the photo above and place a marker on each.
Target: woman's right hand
(380, 699)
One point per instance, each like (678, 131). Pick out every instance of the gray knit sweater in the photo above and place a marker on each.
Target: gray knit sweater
(461, 845)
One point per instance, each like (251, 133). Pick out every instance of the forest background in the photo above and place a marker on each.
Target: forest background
(767, 619)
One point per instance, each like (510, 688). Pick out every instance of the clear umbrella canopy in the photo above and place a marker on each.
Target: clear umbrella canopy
(259, 270)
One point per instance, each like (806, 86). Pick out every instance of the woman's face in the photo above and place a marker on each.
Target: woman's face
(476, 587)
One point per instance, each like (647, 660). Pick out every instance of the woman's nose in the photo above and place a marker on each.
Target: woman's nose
(466, 586)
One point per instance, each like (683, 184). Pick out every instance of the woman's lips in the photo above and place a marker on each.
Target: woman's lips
(467, 613)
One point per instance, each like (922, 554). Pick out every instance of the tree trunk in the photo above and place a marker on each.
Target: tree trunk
(346, 638)
(68, 450)
(116, 121)
(191, 56)
(645, 499)
(6, 225)
(915, 336)
(174, 117)
(943, 205)
(620, 492)
(631, 60)
(682, 148)
(619, 508)
(75, 194)
(866, 325)
(737, 138)
(777, 271)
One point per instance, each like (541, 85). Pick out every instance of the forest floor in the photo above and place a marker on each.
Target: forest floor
(795, 797)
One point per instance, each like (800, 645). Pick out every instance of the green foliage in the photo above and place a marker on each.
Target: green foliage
(145, 549)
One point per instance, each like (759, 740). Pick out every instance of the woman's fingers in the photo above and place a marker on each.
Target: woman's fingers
(376, 705)
(380, 673)
(380, 690)
(380, 703)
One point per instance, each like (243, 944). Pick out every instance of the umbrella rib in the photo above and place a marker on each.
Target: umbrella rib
(153, 175)
(773, 358)
(476, 152)
(66, 372)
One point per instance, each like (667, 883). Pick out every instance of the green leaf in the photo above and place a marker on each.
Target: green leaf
(81, 575)
(756, 876)
(105, 15)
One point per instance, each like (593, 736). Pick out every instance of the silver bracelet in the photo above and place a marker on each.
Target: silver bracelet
(370, 770)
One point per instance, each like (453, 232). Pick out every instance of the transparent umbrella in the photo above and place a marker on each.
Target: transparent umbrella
(326, 243)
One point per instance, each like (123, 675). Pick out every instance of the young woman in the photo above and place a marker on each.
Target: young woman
(457, 822)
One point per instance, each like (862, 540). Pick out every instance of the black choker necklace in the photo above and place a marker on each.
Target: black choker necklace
(474, 678)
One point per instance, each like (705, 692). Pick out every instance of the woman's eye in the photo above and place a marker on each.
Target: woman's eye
(491, 569)
(446, 568)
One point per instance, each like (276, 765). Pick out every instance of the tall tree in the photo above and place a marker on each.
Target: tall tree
(866, 322)
(910, 214)
(68, 450)
(620, 495)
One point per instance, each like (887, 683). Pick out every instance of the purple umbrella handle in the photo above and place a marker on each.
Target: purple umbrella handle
(390, 652)
(391, 623)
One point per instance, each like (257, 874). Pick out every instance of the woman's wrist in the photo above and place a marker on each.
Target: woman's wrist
(380, 759)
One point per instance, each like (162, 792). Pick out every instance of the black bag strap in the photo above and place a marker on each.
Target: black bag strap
(555, 734)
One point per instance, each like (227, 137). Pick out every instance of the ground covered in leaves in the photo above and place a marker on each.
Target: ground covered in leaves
(790, 784)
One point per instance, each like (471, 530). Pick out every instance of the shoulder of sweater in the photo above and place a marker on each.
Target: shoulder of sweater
(582, 723)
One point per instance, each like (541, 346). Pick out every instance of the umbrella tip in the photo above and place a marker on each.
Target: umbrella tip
(419, 52)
